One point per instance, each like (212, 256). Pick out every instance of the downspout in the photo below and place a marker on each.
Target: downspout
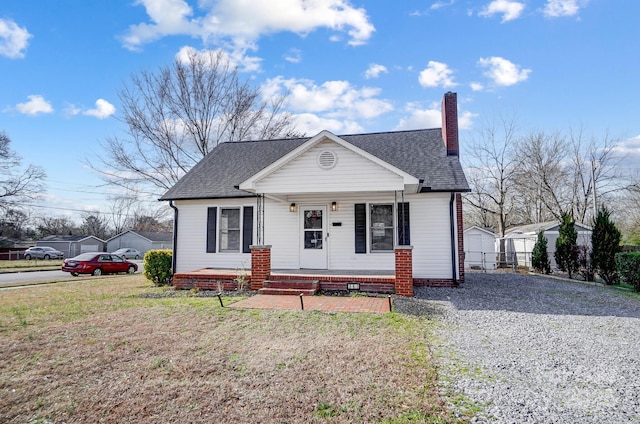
(454, 271)
(175, 236)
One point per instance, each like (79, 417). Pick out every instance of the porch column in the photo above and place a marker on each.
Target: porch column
(404, 270)
(260, 265)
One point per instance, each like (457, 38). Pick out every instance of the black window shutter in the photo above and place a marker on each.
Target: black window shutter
(361, 227)
(212, 220)
(404, 229)
(247, 229)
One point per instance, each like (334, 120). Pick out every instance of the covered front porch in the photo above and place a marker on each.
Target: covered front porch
(399, 281)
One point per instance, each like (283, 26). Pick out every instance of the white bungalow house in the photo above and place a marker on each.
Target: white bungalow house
(381, 210)
(519, 241)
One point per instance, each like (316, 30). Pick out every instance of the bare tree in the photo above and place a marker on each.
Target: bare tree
(543, 182)
(17, 185)
(95, 224)
(176, 115)
(492, 171)
(52, 226)
(120, 212)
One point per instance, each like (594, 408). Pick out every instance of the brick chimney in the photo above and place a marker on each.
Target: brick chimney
(450, 123)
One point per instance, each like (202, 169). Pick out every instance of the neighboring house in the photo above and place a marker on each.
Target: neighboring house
(479, 248)
(348, 205)
(141, 240)
(519, 241)
(72, 245)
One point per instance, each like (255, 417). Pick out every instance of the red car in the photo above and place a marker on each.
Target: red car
(97, 264)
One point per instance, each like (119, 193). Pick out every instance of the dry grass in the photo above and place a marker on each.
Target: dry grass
(29, 265)
(95, 351)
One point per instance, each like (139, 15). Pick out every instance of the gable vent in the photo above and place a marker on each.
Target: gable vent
(327, 159)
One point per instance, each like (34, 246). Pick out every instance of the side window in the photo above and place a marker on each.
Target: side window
(229, 229)
(381, 227)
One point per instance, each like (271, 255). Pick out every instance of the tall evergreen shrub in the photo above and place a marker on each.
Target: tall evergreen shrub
(539, 256)
(566, 254)
(605, 243)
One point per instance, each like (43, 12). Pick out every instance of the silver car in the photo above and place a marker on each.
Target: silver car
(42, 252)
(128, 253)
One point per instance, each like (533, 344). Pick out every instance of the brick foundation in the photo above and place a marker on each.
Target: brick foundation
(260, 265)
(404, 270)
(434, 282)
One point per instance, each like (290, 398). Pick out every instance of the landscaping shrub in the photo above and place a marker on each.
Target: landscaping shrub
(539, 256)
(628, 265)
(567, 246)
(157, 267)
(605, 242)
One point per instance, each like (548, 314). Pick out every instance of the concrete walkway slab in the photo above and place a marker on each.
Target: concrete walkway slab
(316, 303)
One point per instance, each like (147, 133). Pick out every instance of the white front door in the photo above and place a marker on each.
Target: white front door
(313, 233)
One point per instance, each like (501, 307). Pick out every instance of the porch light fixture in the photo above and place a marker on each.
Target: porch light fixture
(292, 207)
(353, 286)
(334, 206)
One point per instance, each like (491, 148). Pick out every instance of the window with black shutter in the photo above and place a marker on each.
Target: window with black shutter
(361, 227)
(247, 229)
(404, 229)
(212, 222)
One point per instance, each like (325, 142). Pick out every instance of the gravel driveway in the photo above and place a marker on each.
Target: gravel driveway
(529, 349)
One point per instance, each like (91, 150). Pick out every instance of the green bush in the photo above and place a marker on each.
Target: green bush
(158, 267)
(628, 264)
(540, 257)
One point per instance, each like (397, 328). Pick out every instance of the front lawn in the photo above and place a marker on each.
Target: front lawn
(30, 265)
(96, 351)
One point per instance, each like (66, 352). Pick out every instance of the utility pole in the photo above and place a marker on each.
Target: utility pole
(593, 183)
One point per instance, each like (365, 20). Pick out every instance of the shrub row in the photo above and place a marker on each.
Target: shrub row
(628, 265)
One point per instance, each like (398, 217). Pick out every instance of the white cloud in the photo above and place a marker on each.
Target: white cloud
(440, 4)
(13, 39)
(509, 9)
(334, 99)
(103, 109)
(503, 72)
(244, 22)
(36, 105)
(419, 118)
(311, 124)
(431, 117)
(375, 70)
(476, 86)
(465, 120)
(237, 58)
(436, 74)
(294, 56)
(558, 8)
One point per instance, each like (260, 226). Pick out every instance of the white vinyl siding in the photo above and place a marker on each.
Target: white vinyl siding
(191, 247)
(304, 174)
(430, 233)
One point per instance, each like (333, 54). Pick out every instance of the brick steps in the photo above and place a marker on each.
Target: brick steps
(290, 287)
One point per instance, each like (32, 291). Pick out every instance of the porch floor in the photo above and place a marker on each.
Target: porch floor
(316, 303)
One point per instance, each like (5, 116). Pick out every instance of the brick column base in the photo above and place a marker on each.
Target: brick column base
(404, 270)
(260, 265)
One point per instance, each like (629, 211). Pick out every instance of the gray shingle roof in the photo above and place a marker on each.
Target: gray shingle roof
(420, 153)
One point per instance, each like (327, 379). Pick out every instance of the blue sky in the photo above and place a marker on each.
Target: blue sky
(350, 66)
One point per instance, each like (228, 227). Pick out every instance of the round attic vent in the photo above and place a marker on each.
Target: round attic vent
(327, 159)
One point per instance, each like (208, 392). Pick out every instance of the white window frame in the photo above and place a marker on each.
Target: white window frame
(220, 229)
(370, 227)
